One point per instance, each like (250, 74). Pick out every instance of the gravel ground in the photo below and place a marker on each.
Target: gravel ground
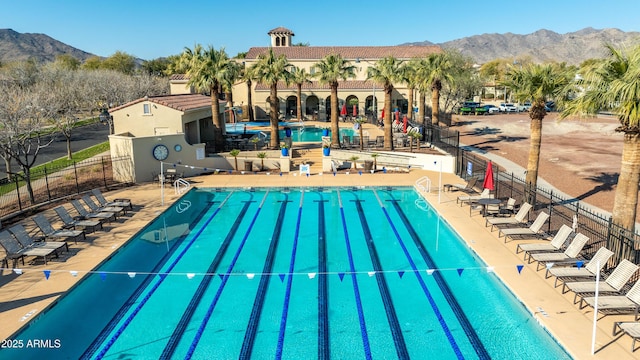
(579, 157)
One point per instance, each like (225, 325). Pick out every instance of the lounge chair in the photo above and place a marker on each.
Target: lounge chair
(631, 328)
(486, 193)
(594, 266)
(28, 241)
(95, 208)
(519, 218)
(468, 187)
(555, 245)
(125, 203)
(532, 231)
(71, 223)
(49, 232)
(16, 252)
(570, 255)
(102, 216)
(509, 208)
(612, 284)
(618, 304)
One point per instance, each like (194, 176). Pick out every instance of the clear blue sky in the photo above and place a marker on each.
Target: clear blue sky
(151, 29)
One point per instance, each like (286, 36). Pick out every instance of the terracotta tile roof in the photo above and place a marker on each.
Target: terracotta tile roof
(181, 102)
(370, 53)
(177, 77)
(281, 30)
(315, 85)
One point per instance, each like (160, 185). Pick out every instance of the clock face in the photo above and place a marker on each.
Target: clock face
(177, 148)
(160, 152)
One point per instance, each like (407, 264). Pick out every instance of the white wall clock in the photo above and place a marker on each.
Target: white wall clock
(160, 152)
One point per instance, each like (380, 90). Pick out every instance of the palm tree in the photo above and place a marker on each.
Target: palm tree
(233, 75)
(207, 69)
(262, 156)
(300, 77)
(434, 70)
(410, 77)
(235, 153)
(386, 72)
(538, 83)
(269, 69)
(613, 84)
(247, 76)
(360, 122)
(331, 69)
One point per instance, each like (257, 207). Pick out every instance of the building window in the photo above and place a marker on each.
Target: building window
(146, 109)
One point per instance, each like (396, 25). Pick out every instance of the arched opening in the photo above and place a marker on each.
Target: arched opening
(327, 106)
(312, 107)
(353, 106)
(292, 107)
(371, 106)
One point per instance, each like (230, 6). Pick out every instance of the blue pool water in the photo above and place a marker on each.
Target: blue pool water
(333, 273)
(298, 133)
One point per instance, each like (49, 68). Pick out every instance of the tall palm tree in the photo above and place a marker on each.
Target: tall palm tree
(269, 69)
(385, 72)
(538, 83)
(331, 69)
(247, 76)
(613, 84)
(410, 77)
(207, 69)
(300, 77)
(233, 75)
(436, 69)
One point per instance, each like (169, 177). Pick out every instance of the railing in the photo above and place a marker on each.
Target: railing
(424, 184)
(181, 185)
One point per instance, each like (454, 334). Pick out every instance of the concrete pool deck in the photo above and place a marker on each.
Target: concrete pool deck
(24, 296)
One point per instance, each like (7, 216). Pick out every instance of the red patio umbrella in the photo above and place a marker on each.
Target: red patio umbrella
(398, 116)
(488, 177)
(355, 111)
(382, 115)
(404, 124)
(343, 112)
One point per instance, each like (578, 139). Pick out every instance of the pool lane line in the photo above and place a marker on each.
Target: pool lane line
(354, 281)
(225, 278)
(287, 294)
(324, 350)
(392, 317)
(189, 311)
(124, 309)
(472, 335)
(258, 302)
(423, 285)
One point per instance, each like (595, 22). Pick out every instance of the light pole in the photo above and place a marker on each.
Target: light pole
(439, 182)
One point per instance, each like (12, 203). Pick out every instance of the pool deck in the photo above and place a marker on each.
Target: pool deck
(23, 296)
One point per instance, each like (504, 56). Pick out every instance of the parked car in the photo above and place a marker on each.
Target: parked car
(469, 107)
(491, 109)
(524, 106)
(508, 108)
(549, 106)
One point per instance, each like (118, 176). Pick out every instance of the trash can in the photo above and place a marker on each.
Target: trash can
(368, 165)
(248, 165)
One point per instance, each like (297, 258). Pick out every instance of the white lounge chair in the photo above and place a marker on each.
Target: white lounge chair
(468, 187)
(612, 284)
(532, 231)
(519, 218)
(486, 193)
(570, 255)
(594, 266)
(631, 328)
(554, 245)
(618, 304)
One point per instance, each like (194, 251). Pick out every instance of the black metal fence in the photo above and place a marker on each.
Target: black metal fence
(52, 183)
(562, 210)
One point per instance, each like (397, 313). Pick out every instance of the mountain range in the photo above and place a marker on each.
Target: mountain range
(540, 46)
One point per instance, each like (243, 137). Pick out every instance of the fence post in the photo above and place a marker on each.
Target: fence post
(550, 210)
(104, 174)
(75, 171)
(18, 191)
(46, 181)
(610, 224)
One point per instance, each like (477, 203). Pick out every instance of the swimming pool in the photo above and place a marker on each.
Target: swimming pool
(298, 133)
(330, 273)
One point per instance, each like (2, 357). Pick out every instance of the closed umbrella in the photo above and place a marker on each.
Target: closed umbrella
(488, 177)
(382, 115)
(404, 124)
(343, 112)
(397, 116)
(355, 111)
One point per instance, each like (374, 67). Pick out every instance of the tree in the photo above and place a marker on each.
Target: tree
(537, 83)
(300, 77)
(385, 72)
(360, 122)
(247, 76)
(120, 61)
(613, 84)
(435, 70)
(261, 156)
(235, 153)
(410, 77)
(156, 67)
(331, 69)
(269, 69)
(92, 63)
(67, 62)
(207, 69)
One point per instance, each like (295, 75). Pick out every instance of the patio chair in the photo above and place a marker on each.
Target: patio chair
(570, 255)
(95, 208)
(125, 203)
(346, 141)
(84, 214)
(509, 208)
(379, 141)
(519, 218)
(612, 284)
(16, 252)
(631, 328)
(468, 187)
(471, 198)
(618, 304)
(49, 232)
(535, 230)
(554, 245)
(355, 142)
(594, 266)
(71, 223)
(28, 241)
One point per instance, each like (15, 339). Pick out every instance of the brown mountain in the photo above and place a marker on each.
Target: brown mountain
(542, 45)
(40, 47)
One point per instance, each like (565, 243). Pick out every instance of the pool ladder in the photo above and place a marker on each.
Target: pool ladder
(424, 184)
(181, 185)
